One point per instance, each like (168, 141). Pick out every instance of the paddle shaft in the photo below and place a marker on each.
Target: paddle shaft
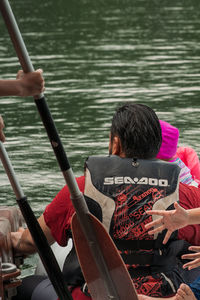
(76, 196)
(46, 254)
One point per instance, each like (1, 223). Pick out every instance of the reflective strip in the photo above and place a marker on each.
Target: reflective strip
(170, 282)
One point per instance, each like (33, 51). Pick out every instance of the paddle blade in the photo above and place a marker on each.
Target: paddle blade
(117, 269)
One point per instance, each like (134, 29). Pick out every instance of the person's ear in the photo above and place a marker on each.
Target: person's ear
(116, 146)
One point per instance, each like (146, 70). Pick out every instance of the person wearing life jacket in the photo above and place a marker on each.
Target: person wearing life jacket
(184, 157)
(119, 189)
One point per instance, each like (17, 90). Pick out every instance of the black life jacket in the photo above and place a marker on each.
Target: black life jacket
(119, 191)
(125, 189)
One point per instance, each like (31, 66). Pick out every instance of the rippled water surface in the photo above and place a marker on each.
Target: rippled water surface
(96, 55)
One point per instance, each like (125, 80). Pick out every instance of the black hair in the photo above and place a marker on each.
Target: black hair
(138, 129)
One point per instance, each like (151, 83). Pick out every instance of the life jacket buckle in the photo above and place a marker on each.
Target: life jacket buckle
(135, 163)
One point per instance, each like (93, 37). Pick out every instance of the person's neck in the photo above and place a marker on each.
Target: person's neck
(169, 159)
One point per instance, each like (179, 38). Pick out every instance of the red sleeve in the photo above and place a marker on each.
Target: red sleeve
(189, 197)
(58, 213)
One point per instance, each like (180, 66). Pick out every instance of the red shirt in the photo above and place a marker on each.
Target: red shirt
(189, 197)
(58, 213)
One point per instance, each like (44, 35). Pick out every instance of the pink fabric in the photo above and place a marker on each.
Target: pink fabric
(191, 160)
(170, 135)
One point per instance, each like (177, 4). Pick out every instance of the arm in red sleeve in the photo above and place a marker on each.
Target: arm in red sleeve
(59, 212)
(189, 197)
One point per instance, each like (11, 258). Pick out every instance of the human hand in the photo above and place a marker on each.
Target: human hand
(30, 84)
(16, 238)
(171, 220)
(2, 136)
(195, 257)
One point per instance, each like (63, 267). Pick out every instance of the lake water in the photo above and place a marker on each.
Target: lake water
(95, 56)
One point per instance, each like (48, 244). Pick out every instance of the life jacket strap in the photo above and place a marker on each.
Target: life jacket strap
(137, 244)
(143, 271)
(137, 259)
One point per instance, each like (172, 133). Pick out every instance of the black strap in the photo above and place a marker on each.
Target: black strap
(133, 259)
(137, 244)
(148, 271)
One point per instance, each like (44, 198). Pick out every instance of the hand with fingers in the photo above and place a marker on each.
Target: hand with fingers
(25, 84)
(31, 83)
(195, 257)
(16, 238)
(2, 136)
(170, 220)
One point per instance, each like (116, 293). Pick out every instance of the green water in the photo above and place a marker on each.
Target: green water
(96, 55)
